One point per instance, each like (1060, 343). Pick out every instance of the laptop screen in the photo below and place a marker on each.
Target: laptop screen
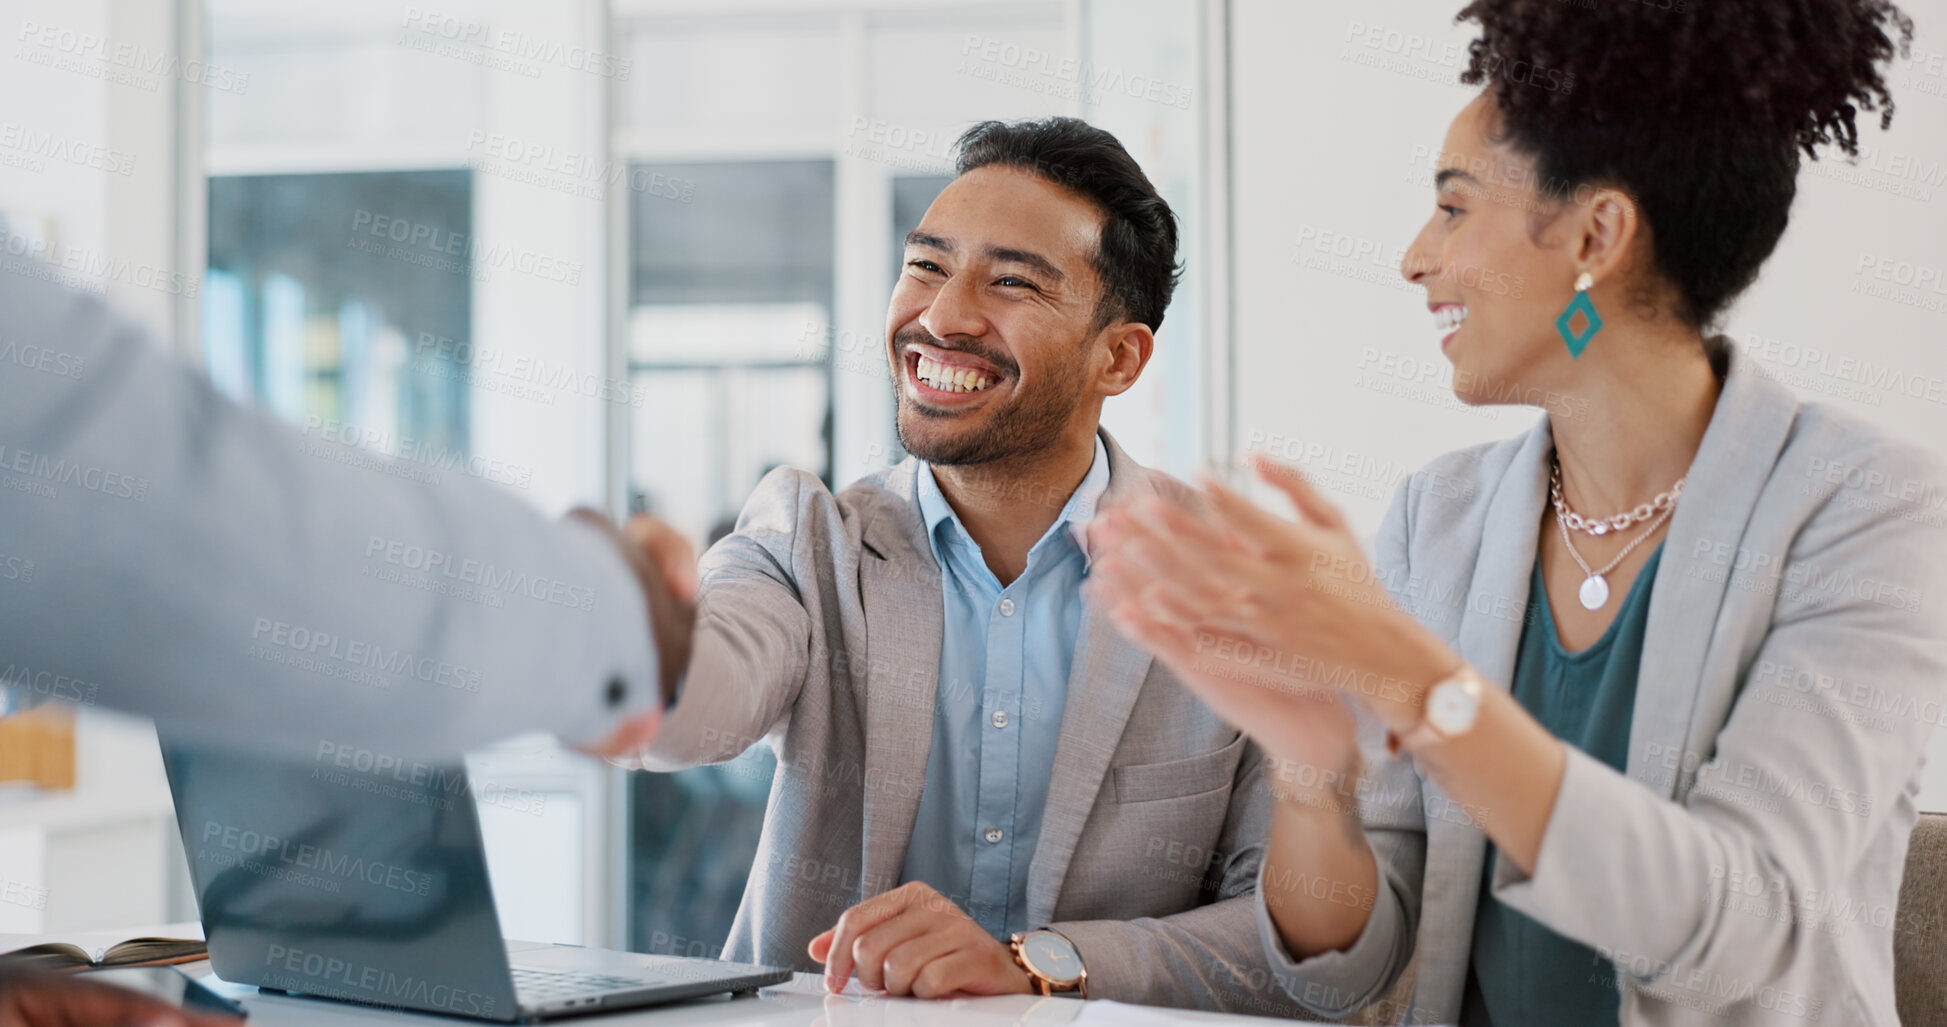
(350, 874)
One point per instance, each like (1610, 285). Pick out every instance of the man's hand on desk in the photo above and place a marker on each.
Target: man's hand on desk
(914, 941)
(664, 564)
(30, 998)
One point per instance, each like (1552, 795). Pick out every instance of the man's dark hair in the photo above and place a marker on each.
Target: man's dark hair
(1136, 258)
(1699, 109)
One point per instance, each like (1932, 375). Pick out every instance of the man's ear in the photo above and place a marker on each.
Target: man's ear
(1128, 346)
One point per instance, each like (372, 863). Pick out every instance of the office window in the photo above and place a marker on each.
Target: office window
(342, 129)
(301, 319)
(724, 291)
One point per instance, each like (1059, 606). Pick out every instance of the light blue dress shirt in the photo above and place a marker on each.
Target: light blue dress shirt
(1004, 664)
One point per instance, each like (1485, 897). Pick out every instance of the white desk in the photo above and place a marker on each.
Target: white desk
(801, 1003)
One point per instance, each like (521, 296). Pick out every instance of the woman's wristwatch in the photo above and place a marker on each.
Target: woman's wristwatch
(1051, 962)
(1452, 707)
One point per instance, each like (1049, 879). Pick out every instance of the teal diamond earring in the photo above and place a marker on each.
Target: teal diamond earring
(1581, 304)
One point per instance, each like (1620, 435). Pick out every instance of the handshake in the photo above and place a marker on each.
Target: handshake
(910, 940)
(664, 564)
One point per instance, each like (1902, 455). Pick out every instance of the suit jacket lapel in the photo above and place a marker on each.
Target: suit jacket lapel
(1490, 639)
(1740, 450)
(1497, 598)
(905, 617)
(1103, 684)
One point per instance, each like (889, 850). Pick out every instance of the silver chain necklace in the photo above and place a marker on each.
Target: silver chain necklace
(1599, 526)
(1594, 592)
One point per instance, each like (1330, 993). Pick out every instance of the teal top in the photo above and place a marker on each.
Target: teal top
(1522, 972)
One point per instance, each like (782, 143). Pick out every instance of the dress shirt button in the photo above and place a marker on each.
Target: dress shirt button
(999, 718)
(994, 836)
(1007, 607)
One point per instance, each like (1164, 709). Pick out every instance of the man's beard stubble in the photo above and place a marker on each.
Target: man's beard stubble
(1031, 421)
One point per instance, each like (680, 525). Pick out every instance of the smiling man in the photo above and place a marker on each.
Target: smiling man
(981, 787)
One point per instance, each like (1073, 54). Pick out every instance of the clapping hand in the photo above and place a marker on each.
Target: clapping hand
(1269, 620)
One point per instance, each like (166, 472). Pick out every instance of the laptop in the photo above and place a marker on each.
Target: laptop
(363, 879)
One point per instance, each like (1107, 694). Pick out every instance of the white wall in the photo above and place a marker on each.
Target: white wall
(1162, 421)
(41, 192)
(1337, 106)
(86, 161)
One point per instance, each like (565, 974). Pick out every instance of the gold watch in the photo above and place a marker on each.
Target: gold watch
(1051, 962)
(1451, 707)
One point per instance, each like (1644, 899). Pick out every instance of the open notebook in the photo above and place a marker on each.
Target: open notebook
(58, 955)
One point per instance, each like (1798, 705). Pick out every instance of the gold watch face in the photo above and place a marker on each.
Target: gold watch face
(1452, 707)
(1052, 957)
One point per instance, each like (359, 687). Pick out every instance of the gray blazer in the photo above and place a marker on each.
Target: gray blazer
(819, 633)
(1746, 869)
(167, 552)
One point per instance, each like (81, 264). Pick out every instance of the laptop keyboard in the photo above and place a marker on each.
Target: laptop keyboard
(532, 985)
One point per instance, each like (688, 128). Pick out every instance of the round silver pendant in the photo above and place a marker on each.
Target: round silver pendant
(1595, 592)
(1599, 529)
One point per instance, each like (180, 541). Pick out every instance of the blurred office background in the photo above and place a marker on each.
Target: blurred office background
(635, 253)
(631, 253)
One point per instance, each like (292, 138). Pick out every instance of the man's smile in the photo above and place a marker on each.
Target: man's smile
(949, 378)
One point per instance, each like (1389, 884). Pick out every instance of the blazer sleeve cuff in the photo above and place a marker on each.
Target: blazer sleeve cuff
(1575, 850)
(1334, 984)
(1550, 884)
(1112, 973)
(621, 677)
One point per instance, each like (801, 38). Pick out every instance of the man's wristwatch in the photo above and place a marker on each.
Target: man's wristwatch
(1452, 707)
(1051, 962)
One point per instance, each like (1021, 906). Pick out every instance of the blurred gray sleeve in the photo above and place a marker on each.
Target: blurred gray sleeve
(169, 553)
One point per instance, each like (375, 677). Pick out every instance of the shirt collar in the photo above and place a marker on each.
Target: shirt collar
(1074, 518)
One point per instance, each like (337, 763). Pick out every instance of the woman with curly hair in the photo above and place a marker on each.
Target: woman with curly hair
(1638, 699)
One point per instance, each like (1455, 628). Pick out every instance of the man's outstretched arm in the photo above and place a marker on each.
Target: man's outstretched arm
(167, 552)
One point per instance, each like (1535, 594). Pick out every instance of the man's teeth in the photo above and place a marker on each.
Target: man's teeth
(952, 379)
(1448, 318)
